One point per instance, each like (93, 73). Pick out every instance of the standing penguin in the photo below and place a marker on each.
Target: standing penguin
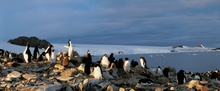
(27, 53)
(105, 62)
(70, 49)
(36, 52)
(181, 77)
(48, 52)
(53, 60)
(143, 62)
(97, 71)
(126, 65)
(111, 59)
(159, 71)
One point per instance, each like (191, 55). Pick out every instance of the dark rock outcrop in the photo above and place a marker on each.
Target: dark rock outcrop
(33, 41)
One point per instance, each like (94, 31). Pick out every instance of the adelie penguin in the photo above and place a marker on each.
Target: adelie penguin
(27, 53)
(159, 71)
(97, 72)
(143, 62)
(36, 53)
(70, 49)
(181, 78)
(105, 62)
(48, 52)
(126, 65)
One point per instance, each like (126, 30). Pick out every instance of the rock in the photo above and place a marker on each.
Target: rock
(158, 89)
(14, 74)
(58, 66)
(133, 81)
(69, 72)
(112, 87)
(81, 67)
(64, 78)
(193, 83)
(104, 84)
(33, 41)
(122, 89)
(106, 75)
(50, 87)
(29, 76)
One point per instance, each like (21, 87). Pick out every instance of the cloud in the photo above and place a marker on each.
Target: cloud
(113, 22)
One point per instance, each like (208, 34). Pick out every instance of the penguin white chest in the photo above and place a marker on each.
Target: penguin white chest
(127, 65)
(142, 63)
(25, 56)
(97, 73)
(105, 61)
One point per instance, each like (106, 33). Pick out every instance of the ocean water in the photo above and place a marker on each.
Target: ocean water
(188, 61)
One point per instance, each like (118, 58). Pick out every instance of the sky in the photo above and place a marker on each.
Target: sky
(120, 22)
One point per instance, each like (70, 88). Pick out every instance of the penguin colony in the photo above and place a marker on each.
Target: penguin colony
(105, 63)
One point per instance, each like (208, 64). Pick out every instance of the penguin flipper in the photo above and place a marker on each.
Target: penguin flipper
(66, 46)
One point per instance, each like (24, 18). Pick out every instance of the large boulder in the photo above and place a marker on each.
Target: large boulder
(33, 41)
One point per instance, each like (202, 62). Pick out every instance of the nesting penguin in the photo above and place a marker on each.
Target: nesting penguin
(27, 53)
(36, 52)
(126, 65)
(41, 57)
(143, 62)
(105, 62)
(181, 78)
(134, 63)
(48, 52)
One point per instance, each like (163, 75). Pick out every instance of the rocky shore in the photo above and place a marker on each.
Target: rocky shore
(46, 76)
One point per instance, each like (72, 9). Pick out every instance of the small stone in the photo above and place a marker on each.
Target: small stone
(69, 72)
(29, 76)
(112, 87)
(14, 74)
(64, 78)
(122, 89)
(58, 66)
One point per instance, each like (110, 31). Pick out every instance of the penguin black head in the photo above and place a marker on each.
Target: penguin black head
(126, 59)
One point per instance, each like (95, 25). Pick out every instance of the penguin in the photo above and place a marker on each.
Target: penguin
(70, 49)
(159, 71)
(181, 78)
(87, 58)
(2, 52)
(41, 57)
(10, 55)
(120, 63)
(126, 65)
(27, 53)
(166, 72)
(134, 63)
(53, 60)
(98, 72)
(143, 62)
(105, 62)
(36, 52)
(111, 59)
(87, 68)
(48, 52)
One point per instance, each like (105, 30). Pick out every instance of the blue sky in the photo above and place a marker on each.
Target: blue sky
(129, 22)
